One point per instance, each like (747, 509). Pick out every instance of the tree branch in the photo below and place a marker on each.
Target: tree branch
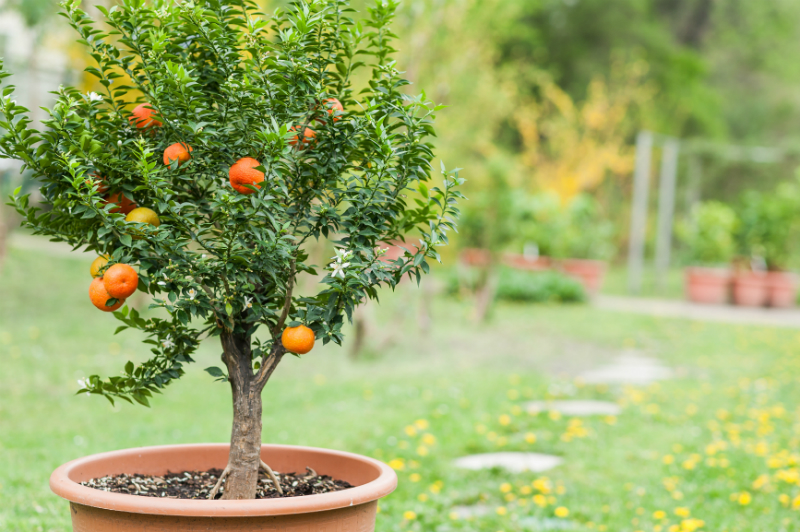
(269, 365)
(287, 303)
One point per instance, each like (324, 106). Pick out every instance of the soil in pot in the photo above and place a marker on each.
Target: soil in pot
(198, 484)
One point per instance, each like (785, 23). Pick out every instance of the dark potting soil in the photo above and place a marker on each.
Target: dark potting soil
(198, 484)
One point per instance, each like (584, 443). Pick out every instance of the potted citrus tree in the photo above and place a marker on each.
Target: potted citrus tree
(585, 243)
(220, 142)
(709, 239)
(764, 237)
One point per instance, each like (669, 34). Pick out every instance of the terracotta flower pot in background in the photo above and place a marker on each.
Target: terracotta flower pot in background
(782, 289)
(475, 257)
(590, 273)
(709, 286)
(519, 261)
(750, 289)
(351, 510)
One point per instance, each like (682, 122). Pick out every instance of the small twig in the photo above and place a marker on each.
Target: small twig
(222, 477)
(271, 474)
(288, 301)
(313, 473)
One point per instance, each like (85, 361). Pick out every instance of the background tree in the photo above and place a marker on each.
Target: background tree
(269, 146)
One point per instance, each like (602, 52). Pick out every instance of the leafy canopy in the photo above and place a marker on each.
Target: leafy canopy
(232, 82)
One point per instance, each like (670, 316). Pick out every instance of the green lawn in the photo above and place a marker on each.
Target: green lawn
(715, 449)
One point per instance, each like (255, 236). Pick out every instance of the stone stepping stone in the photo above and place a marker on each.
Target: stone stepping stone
(575, 408)
(468, 512)
(547, 523)
(511, 462)
(628, 369)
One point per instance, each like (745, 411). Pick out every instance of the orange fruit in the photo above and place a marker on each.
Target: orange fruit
(98, 264)
(299, 340)
(309, 136)
(142, 117)
(124, 205)
(178, 151)
(97, 179)
(99, 295)
(243, 172)
(334, 105)
(120, 281)
(143, 215)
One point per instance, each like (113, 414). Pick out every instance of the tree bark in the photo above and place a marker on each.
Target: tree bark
(245, 455)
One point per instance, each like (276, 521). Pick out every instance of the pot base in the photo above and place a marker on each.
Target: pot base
(359, 518)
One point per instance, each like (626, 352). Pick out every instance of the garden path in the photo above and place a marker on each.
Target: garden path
(683, 309)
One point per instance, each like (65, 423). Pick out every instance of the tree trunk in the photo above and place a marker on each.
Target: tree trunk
(245, 454)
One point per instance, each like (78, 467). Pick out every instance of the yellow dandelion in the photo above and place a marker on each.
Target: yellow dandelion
(562, 511)
(668, 459)
(453, 516)
(682, 511)
(505, 420)
(397, 464)
(510, 497)
(784, 499)
(554, 415)
(414, 477)
(422, 497)
(422, 450)
(408, 515)
(745, 498)
(501, 510)
(611, 420)
(421, 424)
(429, 439)
(512, 395)
(530, 438)
(796, 503)
(410, 431)
(659, 514)
(506, 487)
(526, 490)
(540, 500)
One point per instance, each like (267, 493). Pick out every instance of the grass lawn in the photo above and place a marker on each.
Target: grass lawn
(715, 449)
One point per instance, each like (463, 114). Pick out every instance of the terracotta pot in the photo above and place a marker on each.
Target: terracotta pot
(707, 285)
(750, 289)
(782, 288)
(475, 257)
(521, 262)
(350, 510)
(590, 273)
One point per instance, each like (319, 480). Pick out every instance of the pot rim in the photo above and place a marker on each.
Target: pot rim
(62, 485)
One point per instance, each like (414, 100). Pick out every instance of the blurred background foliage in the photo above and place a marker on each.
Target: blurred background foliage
(548, 95)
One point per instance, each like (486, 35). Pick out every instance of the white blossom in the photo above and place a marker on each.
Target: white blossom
(83, 383)
(94, 97)
(338, 269)
(248, 302)
(341, 255)
(192, 293)
(167, 342)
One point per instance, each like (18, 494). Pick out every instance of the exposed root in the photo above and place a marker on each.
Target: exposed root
(311, 473)
(271, 474)
(218, 485)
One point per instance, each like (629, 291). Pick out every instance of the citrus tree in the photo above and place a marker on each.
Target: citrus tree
(248, 140)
